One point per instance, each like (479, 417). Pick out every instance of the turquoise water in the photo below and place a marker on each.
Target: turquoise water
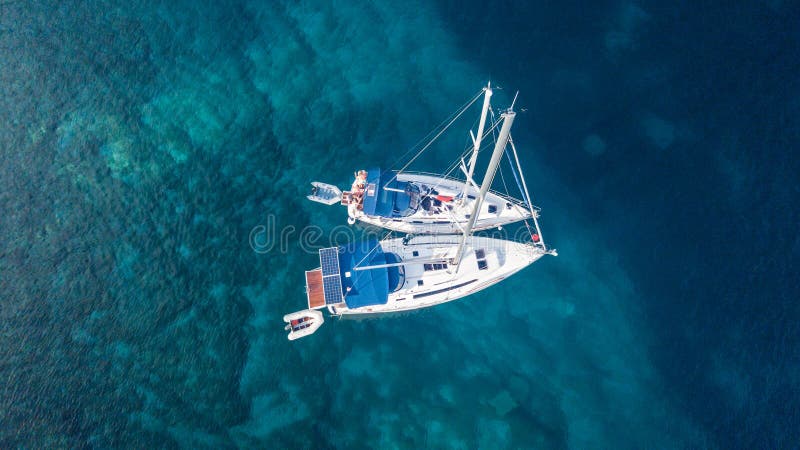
(143, 142)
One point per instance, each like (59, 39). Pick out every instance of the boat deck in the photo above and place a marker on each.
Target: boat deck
(316, 295)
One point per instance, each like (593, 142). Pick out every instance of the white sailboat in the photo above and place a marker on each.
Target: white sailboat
(422, 203)
(402, 274)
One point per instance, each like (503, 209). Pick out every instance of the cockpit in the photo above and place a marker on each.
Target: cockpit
(407, 201)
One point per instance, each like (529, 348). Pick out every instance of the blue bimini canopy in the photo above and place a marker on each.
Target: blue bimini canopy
(363, 287)
(398, 201)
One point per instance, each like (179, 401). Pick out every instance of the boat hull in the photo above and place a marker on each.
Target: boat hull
(486, 262)
(451, 218)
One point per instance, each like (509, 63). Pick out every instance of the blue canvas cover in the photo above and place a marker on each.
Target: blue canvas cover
(384, 203)
(363, 287)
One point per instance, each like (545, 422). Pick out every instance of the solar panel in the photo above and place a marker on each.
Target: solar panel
(329, 259)
(332, 289)
(331, 279)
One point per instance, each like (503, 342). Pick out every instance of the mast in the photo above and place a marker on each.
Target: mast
(499, 147)
(476, 140)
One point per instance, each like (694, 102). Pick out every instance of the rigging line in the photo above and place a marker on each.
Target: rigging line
(525, 221)
(499, 167)
(527, 194)
(371, 250)
(503, 179)
(523, 191)
(441, 124)
(345, 294)
(450, 169)
(467, 151)
(454, 165)
(457, 162)
(419, 153)
(425, 148)
(519, 186)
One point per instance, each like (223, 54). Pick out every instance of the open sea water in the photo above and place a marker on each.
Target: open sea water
(142, 143)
